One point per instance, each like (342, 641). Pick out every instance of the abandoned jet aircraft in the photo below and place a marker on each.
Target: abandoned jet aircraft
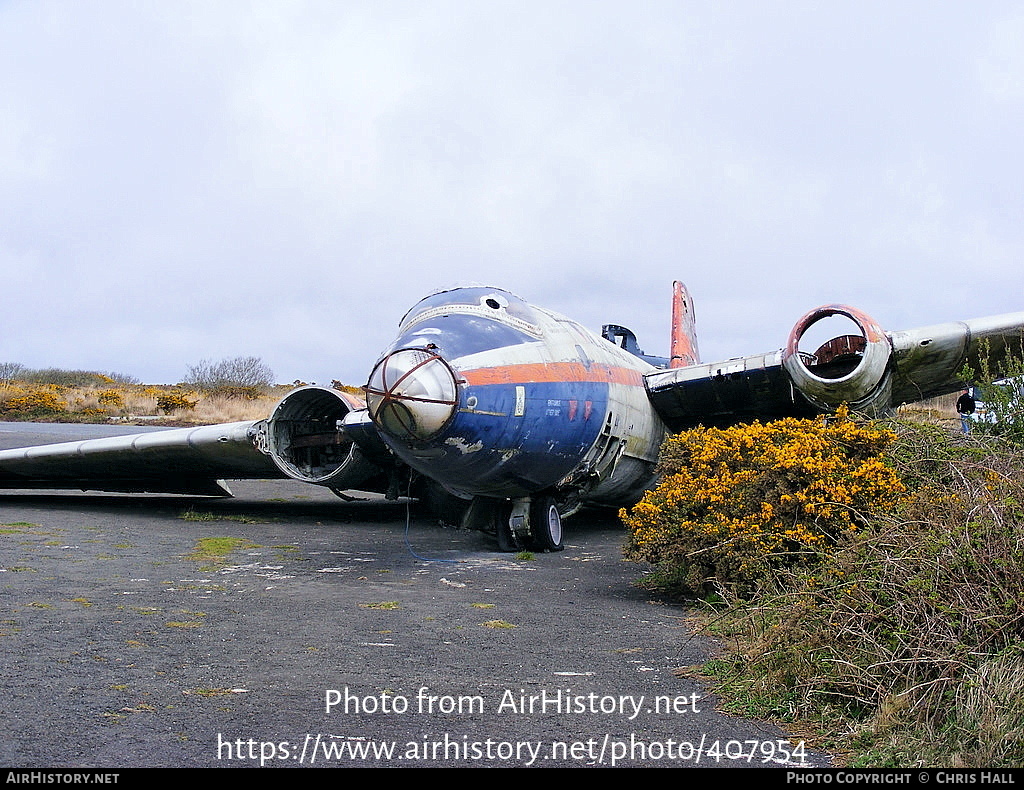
(522, 413)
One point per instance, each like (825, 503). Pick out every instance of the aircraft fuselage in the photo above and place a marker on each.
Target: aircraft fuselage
(493, 397)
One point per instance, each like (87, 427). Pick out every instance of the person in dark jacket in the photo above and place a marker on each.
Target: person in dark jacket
(965, 406)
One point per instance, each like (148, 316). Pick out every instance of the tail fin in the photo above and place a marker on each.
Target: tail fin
(684, 331)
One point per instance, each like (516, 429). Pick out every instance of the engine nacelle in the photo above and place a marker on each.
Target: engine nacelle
(852, 369)
(306, 441)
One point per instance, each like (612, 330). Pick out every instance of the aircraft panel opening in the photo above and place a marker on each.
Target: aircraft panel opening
(305, 438)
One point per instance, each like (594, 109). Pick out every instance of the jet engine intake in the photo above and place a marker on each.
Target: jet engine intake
(306, 440)
(852, 369)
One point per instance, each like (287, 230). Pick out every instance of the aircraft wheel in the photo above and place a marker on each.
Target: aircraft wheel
(546, 524)
(492, 516)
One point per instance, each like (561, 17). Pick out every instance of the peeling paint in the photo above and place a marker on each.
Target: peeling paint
(462, 446)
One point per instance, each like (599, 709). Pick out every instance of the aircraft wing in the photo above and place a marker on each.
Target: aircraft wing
(872, 372)
(176, 461)
(315, 435)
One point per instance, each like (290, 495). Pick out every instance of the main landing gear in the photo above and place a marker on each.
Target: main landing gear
(546, 524)
(520, 524)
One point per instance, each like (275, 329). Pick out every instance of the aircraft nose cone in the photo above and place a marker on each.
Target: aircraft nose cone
(412, 394)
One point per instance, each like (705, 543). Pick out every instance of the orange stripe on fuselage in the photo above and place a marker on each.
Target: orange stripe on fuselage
(539, 372)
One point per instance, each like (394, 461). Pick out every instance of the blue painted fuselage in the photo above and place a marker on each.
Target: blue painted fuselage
(540, 403)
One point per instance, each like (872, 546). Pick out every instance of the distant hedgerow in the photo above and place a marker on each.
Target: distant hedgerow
(75, 378)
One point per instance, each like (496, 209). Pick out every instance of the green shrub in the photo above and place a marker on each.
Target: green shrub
(1000, 391)
(237, 392)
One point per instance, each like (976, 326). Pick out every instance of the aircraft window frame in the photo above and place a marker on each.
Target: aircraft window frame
(478, 310)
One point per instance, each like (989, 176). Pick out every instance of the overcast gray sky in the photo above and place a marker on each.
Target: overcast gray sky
(188, 180)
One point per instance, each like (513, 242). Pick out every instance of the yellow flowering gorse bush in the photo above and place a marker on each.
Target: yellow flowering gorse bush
(734, 503)
(175, 400)
(112, 398)
(31, 401)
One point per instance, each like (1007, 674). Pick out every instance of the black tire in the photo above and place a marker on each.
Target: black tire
(546, 524)
(507, 541)
(491, 516)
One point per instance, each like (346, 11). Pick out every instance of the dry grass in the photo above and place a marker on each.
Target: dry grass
(129, 403)
(935, 411)
(217, 409)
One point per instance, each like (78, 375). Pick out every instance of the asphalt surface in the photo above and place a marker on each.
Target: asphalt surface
(331, 635)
